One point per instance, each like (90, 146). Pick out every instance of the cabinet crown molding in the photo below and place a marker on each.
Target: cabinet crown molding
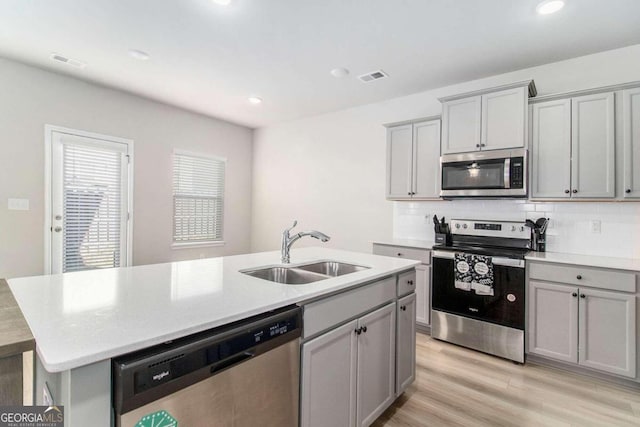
(533, 91)
(590, 91)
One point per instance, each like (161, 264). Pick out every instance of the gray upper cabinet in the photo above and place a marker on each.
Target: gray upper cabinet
(461, 125)
(593, 146)
(413, 160)
(504, 118)
(493, 119)
(573, 148)
(551, 149)
(631, 132)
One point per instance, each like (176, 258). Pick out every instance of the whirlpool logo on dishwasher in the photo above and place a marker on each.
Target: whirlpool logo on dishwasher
(161, 375)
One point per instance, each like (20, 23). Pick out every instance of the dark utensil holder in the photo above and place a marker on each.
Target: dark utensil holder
(443, 238)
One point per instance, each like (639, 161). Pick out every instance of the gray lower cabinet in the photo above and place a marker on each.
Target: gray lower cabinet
(376, 364)
(406, 343)
(329, 364)
(631, 137)
(422, 281)
(590, 327)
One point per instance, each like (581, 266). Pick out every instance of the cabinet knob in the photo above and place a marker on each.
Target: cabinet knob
(358, 331)
(410, 282)
(403, 307)
(477, 145)
(583, 296)
(575, 191)
(628, 190)
(482, 145)
(399, 253)
(364, 329)
(575, 294)
(409, 193)
(567, 191)
(579, 277)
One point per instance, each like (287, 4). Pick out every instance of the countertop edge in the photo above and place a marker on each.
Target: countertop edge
(406, 243)
(594, 261)
(57, 367)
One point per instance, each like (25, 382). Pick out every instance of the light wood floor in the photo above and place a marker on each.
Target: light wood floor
(459, 387)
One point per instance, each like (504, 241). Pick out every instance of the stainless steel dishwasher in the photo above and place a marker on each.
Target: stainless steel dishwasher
(243, 374)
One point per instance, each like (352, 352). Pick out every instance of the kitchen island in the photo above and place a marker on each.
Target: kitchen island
(82, 320)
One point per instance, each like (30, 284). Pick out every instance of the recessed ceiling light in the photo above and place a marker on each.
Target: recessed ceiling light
(549, 6)
(139, 55)
(255, 100)
(339, 72)
(222, 2)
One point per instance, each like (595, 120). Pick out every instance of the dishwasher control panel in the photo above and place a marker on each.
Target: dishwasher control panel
(203, 354)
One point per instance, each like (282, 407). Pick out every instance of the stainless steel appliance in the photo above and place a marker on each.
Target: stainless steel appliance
(488, 318)
(243, 374)
(497, 173)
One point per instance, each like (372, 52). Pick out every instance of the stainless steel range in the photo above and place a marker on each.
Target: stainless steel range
(478, 290)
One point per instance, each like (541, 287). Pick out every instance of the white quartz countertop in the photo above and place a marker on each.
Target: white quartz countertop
(407, 243)
(632, 264)
(85, 317)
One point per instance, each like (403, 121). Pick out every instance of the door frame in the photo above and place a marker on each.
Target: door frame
(48, 190)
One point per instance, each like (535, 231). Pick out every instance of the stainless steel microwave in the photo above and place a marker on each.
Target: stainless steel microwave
(497, 173)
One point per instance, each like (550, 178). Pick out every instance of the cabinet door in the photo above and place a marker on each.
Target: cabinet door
(328, 389)
(504, 118)
(423, 294)
(553, 321)
(376, 364)
(593, 146)
(399, 161)
(461, 125)
(631, 123)
(426, 159)
(608, 331)
(551, 149)
(406, 343)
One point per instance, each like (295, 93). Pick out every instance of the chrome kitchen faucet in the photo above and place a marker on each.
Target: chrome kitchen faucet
(288, 240)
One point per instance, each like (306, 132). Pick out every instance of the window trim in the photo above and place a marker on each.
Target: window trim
(48, 186)
(204, 243)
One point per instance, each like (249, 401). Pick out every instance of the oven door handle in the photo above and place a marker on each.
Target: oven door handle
(507, 262)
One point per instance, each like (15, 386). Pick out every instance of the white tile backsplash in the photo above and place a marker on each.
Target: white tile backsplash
(569, 230)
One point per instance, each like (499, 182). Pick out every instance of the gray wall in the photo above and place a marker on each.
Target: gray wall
(31, 97)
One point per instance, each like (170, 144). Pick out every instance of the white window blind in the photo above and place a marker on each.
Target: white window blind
(198, 198)
(92, 191)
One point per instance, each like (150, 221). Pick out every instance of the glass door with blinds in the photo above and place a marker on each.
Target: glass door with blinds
(89, 203)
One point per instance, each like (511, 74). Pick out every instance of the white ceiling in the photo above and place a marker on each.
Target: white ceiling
(210, 58)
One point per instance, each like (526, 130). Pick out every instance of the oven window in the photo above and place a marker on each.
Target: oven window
(473, 175)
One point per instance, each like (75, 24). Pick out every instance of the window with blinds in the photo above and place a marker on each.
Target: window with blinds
(198, 198)
(92, 195)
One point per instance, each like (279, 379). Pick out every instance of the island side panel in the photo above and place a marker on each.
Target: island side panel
(85, 393)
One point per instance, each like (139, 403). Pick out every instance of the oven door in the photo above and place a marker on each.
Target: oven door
(506, 307)
(485, 174)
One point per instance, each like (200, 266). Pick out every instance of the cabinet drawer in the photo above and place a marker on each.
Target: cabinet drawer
(323, 314)
(584, 276)
(422, 255)
(406, 283)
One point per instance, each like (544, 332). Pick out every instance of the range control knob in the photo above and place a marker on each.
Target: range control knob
(513, 228)
(522, 229)
(457, 225)
(464, 226)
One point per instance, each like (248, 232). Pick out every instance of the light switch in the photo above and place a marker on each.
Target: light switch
(18, 204)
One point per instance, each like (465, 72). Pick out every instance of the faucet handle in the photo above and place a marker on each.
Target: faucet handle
(287, 230)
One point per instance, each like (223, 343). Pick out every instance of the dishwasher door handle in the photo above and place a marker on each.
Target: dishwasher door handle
(227, 363)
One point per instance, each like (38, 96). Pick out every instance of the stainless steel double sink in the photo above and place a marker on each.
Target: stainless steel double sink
(306, 273)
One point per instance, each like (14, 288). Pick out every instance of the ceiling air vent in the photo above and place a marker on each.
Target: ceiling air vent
(373, 75)
(73, 62)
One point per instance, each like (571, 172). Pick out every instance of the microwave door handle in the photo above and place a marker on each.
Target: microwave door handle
(507, 172)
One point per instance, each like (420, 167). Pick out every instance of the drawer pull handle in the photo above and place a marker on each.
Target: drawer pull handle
(583, 296)
(574, 294)
(579, 277)
(410, 282)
